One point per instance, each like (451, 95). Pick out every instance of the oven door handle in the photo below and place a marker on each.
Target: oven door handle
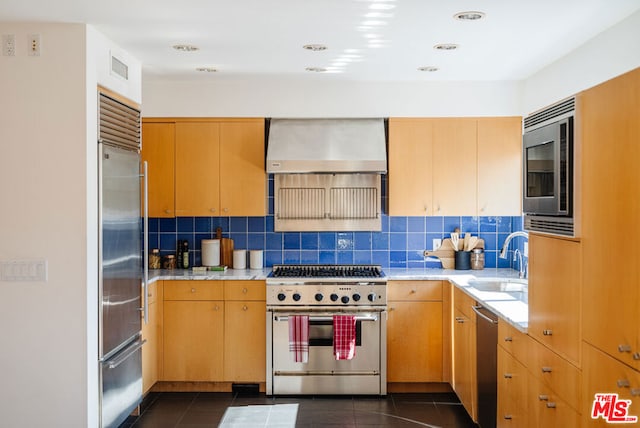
(328, 318)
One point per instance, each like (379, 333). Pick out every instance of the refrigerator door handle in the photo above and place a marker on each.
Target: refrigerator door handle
(121, 359)
(145, 285)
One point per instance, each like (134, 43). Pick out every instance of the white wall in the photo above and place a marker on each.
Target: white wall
(43, 169)
(326, 98)
(611, 53)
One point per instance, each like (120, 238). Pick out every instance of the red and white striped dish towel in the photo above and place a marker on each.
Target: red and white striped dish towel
(344, 337)
(299, 337)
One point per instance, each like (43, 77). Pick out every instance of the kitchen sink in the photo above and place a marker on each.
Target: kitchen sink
(518, 289)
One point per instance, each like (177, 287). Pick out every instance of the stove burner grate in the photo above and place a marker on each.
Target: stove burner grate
(327, 271)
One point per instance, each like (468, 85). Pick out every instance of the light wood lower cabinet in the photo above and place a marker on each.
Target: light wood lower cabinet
(214, 331)
(245, 331)
(548, 409)
(512, 391)
(151, 332)
(603, 374)
(464, 379)
(415, 331)
(193, 331)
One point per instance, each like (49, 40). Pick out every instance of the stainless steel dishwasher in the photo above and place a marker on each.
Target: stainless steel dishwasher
(486, 363)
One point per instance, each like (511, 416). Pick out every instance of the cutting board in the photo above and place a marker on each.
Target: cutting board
(226, 249)
(445, 252)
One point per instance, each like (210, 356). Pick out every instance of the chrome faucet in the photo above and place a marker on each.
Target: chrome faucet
(503, 252)
(522, 267)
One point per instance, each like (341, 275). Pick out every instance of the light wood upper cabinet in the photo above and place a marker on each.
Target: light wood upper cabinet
(499, 166)
(197, 168)
(610, 135)
(158, 148)
(410, 160)
(555, 294)
(218, 165)
(455, 166)
(415, 332)
(242, 170)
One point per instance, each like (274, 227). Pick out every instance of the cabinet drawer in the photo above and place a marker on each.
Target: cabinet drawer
(605, 375)
(548, 409)
(556, 373)
(415, 290)
(513, 341)
(463, 302)
(245, 290)
(193, 290)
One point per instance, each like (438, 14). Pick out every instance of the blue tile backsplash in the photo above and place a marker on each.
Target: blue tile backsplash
(400, 244)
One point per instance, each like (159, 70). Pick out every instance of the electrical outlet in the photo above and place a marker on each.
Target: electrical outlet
(436, 243)
(9, 45)
(33, 44)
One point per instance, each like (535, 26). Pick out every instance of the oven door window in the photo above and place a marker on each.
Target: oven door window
(540, 170)
(321, 333)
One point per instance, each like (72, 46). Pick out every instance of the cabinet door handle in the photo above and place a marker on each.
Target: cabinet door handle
(216, 308)
(413, 291)
(636, 356)
(460, 320)
(245, 308)
(167, 211)
(546, 369)
(624, 348)
(543, 397)
(212, 210)
(547, 332)
(193, 290)
(635, 392)
(508, 417)
(244, 290)
(225, 210)
(551, 405)
(623, 383)
(508, 375)
(508, 339)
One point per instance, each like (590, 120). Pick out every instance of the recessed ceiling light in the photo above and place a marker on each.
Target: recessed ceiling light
(446, 47)
(469, 16)
(429, 69)
(185, 48)
(316, 69)
(207, 69)
(315, 47)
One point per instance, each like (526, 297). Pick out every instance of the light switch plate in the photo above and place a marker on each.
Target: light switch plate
(436, 243)
(23, 270)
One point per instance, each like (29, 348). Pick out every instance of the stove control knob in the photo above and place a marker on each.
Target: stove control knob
(356, 297)
(372, 297)
(345, 299)
(319, 297)
(281, 296)
(333, 297)
(296, 297)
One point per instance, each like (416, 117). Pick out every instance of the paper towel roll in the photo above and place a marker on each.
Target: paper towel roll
(239, 259)
(210, 252)
(255, 259)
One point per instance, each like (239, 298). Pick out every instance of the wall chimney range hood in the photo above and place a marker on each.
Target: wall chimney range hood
(327, 173)
(326, 146)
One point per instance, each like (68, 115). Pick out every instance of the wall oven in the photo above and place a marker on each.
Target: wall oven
(308, 291)
(548, 157)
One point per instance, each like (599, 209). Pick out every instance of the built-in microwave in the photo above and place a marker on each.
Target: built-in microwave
(548, 193)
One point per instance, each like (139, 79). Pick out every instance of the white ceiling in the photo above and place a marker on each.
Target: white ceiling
(248, 38)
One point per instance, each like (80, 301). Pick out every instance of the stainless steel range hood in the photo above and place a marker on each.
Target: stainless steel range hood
(327, 146)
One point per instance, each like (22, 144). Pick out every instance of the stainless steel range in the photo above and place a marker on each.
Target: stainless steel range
(320, 292)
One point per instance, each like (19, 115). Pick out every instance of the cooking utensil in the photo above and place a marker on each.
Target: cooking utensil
(226, 249)
(473, 240)
(465, 242)
(455, 239)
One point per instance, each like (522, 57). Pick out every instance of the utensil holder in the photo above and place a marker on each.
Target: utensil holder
(462, 260)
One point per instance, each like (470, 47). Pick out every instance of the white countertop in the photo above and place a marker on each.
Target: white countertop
(502, 304)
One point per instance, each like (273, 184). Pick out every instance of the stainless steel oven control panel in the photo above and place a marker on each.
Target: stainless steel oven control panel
(363, 293)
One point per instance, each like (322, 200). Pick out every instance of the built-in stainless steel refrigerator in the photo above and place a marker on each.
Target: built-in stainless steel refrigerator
(121, 278)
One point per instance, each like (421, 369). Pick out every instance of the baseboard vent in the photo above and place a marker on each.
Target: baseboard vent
(246, 389)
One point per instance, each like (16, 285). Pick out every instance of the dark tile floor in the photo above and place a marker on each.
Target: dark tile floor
(199, 410)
